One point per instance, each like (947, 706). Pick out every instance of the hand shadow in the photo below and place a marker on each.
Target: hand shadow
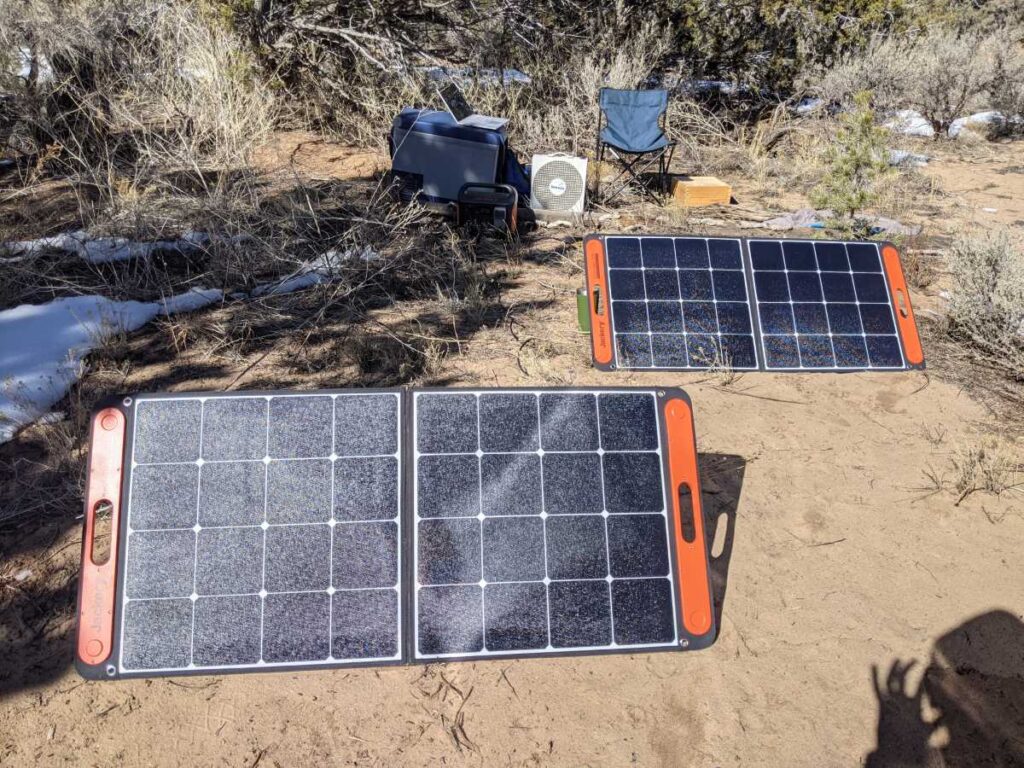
(903, 734)
(975, 680)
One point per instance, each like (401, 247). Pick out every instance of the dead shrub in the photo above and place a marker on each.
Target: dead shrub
(386, 358)
(555, 111)
(1008, 79)
(133, 89)
(982, 468)
(920, 269)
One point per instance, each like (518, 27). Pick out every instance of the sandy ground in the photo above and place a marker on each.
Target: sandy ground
(835, 554)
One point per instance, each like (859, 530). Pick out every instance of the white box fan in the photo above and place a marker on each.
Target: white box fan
(558, 183)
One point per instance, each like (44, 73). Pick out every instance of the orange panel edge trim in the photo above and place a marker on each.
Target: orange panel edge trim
(904, 314)
(99, 581)
(597, 290)
(692, 559)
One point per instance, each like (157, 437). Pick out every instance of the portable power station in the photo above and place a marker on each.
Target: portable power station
(493, 205)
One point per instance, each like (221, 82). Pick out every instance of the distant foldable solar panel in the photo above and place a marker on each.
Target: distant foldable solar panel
(550, 522)
(264, 531)
(257, 532)
(688, 303)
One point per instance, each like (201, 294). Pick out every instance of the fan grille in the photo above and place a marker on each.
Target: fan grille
(558, 185)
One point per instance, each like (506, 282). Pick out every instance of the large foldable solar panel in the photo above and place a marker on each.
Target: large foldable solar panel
(258, 531)
(683, 303)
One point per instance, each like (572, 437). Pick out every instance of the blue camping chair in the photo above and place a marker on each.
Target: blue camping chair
(634, 134)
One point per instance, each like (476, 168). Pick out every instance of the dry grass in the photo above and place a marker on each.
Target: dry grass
(979, 342)
(136, 91)
(150, 117)
(168, 127)
(903, 193)
(340, 333)
(919, 268)
(984, 468)
(43, 472)
(161, 139)
(778, 135)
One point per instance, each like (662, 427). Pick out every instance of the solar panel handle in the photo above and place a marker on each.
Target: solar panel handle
(905, 321)
(690, 544)
(597, 287)
(97, 585)
(686, 525)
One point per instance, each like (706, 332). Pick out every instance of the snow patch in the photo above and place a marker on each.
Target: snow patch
(907, 159)
(695, 86)
(910, 123)
(322, 269)
(485, 76)
(808, 104)
(982, 120)
(44, 72)
(99, 250)
(291, 284)
(42, 346)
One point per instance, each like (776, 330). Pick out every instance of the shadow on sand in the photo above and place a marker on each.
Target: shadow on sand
(974, 685)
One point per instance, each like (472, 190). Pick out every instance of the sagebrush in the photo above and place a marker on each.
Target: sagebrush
(986, 305)
(944, 73)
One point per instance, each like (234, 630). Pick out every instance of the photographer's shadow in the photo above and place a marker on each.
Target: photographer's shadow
(975, 682)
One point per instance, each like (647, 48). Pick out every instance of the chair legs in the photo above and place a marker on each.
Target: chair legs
(633, 168)
(665, 165)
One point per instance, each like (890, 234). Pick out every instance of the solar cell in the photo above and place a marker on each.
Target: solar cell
(748, 304)
(535, 521)
(679, 302)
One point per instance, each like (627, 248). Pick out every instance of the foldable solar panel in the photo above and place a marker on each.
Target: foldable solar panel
(256, 531)
(686, 303)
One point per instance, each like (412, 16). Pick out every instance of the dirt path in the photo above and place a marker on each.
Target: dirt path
(839, 556)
